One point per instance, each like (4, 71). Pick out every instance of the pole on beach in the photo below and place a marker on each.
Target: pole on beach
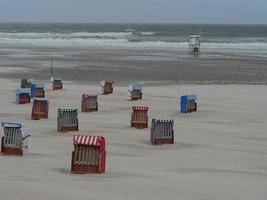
(51, 70)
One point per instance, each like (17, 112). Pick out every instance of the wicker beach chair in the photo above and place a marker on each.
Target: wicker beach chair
(188, 103)
(139, 117)
(89, 103)
(89, 155)
(16, 140)
(67, 120)
(162, 131)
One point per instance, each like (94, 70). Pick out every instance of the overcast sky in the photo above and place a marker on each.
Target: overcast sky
(135, 11)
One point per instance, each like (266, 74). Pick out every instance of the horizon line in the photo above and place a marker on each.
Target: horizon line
(133, 23)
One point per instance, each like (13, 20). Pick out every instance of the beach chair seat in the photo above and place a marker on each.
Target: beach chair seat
(106, 87)
(188, 103)
(67, 120)
(40, 108)
(38, 90)
(139, 117)
(23, 95)
(16, 139)
(162, 131)
(89, 155)
(89, 103)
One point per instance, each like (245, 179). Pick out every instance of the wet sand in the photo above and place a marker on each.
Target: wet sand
(92, 65)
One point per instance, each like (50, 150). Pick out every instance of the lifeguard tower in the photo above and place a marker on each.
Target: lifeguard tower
(194, 44)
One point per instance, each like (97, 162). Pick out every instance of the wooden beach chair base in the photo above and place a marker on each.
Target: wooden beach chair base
(83, 169)
(90, 109)
(162, 141)
(39, 116)
(139, 125)
(189, 110)
(24, 99)
(10, 151)
(108, 92)
(193, 109)
(134, 98)
(137, 97)
(67, 129)
(57, 86)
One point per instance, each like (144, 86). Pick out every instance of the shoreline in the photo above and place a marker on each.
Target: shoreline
(125, 66)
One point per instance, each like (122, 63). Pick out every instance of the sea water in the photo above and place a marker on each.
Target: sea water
(243, 39)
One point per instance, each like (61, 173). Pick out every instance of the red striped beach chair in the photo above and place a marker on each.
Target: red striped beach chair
(139, 117)
(89, 155)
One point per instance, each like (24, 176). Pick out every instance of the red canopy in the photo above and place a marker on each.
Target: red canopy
(143, 108)
(89, 140)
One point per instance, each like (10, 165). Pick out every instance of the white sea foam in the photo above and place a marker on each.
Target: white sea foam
(147, 33)
(32, 35)
(119, 40)
(103, 34)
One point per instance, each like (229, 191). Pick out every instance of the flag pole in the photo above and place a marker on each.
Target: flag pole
(51, 70)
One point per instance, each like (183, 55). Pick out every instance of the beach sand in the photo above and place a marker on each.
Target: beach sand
(126, 65)
(220, 152)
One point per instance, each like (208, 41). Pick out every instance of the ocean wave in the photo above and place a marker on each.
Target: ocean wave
(102, 34)
(131, 36)
(129, 30)
(147, 33)
(129, 40)
(34, 35)
(235, 40)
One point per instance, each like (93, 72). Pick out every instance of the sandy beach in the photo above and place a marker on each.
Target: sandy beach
(213, 52)
(127, 65)
(219, 151)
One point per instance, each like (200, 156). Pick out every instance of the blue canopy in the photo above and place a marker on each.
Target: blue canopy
(12, 125)
(23, 91)
(136, 86)
(39, 85)
(191, 97)
(57, 78)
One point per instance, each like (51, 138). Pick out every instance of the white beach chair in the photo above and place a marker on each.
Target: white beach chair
(16, 140)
